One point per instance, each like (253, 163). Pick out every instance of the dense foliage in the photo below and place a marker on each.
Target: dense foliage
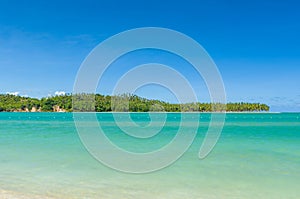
(17, 103)
(101, 103)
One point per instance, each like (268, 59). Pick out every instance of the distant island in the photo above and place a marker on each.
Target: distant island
(103, 103)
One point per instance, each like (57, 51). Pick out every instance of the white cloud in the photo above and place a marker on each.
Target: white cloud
(60, 93)
(13, 93)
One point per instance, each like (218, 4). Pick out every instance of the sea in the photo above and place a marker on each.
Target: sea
(256, 156)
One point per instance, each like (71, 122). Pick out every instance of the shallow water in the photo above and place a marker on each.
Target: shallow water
(257, 156)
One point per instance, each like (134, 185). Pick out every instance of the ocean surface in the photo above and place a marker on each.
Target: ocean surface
(257, 156)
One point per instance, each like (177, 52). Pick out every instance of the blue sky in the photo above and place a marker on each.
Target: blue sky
(255, 44)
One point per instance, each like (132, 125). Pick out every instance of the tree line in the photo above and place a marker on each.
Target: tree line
(122, 103)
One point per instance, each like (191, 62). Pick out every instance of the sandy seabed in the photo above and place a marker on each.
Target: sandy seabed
(4, 194)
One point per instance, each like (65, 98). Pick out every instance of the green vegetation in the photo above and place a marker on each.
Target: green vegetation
(101, 103)
(16, 103)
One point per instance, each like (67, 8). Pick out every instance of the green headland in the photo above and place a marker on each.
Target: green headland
(105, 103)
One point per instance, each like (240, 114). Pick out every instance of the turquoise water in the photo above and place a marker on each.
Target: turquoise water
(257, 156)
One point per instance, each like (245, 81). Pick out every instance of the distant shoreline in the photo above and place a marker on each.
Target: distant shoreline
(121, 103)
(270, 112)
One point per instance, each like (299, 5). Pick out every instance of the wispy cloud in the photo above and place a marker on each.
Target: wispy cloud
(13, 93)
(59, 93)
(85, 39)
